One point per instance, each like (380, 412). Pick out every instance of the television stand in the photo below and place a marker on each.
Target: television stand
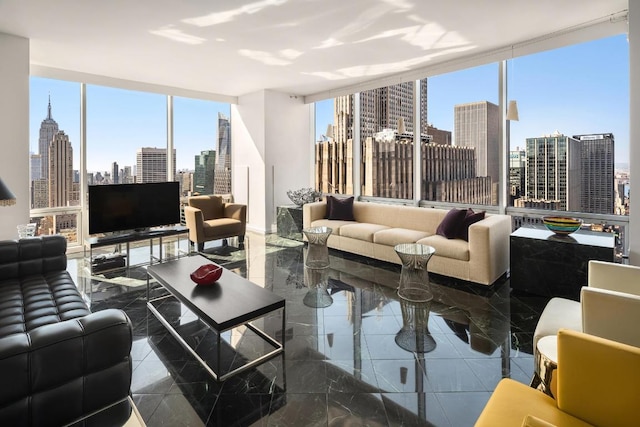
(117, 240)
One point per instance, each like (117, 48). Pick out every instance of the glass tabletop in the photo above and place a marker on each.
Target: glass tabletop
(414, 249)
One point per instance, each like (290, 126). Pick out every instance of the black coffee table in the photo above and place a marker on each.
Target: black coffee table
(232, 302)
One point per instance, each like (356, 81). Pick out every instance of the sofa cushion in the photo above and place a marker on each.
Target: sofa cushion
(333, 224)
(470, 218)
(450, 225)
(340, 209)
(396, 236)
(361, 231)
(448, 248)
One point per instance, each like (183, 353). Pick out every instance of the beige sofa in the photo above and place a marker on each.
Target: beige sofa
(379, 227)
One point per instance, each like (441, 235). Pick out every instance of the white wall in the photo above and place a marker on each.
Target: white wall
(270, 153)
(14, 123)
(634, 131)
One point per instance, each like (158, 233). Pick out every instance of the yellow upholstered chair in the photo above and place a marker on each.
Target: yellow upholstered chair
(210, 218)
(598, 385)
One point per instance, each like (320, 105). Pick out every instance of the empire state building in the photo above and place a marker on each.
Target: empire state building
(48, 129)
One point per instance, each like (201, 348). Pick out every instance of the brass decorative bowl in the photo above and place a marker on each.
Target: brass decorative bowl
(561, 225)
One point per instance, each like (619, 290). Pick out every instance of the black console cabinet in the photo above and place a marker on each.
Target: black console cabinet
(543, 263)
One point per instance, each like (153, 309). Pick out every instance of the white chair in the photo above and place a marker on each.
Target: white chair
(609, 307)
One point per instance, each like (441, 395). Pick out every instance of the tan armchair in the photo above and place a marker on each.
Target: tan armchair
(210, 218)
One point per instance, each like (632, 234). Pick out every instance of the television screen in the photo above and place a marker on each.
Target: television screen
(121, 207)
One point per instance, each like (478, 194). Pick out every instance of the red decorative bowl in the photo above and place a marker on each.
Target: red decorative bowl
(207, 274)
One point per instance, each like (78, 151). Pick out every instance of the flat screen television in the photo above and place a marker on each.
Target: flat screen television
(120, 207)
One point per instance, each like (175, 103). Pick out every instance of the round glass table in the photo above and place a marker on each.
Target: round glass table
(414, 278)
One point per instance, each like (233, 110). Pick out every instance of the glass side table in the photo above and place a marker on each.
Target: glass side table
(317, 281)
(414, 335)
(414, 278)
(317, 255)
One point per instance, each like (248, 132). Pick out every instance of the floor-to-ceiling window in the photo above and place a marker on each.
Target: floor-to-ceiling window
(461, 158)
(387, 129)
(126, 136)
(569, 150)
(334, 145)
(201, 138)
(126, 142)
(54, 145)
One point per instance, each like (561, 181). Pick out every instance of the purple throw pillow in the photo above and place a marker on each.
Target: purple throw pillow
(330, 200)
(451, 223)
(341, 209)
(470, 218)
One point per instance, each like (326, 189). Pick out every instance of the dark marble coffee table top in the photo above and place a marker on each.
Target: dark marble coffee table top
(230, 302)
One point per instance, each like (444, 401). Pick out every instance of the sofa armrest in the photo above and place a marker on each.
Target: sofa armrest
(611, 315)
(195, 223)
(598, 379)
(313, 211)
(615, 277)
(236, 211)
(65, 371)
(489, 248)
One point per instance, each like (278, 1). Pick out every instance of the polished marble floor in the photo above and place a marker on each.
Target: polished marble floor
(355, 354)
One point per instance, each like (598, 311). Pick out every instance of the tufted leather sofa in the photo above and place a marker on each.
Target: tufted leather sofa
(59, 363)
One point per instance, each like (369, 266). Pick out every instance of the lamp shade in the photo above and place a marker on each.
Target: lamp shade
(329, 133)
(512, 111)
(7, 198)
(401, 128)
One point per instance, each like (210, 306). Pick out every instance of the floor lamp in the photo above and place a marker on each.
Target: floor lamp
(7, 198)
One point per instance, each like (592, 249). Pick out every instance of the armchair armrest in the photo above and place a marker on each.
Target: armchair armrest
(236, 211)
(598, 379)
(611, 315)
(65, 371)
(195, 223)
(615, 277)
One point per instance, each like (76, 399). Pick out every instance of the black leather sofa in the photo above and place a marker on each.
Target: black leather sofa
(60, 364)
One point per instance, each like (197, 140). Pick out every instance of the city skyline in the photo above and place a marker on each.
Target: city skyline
(119, 122)
(590, 97)
(579, 89)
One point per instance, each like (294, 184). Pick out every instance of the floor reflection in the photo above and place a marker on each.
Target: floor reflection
(355, 353)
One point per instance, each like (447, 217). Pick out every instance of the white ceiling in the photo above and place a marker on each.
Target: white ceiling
(301, 47)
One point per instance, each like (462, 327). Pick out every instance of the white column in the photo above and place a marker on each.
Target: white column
(14, 122)
(634, 131)
(270, 153)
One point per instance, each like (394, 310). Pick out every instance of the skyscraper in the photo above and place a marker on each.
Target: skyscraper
(60, 170)
(476, 124)
(203, 177)
(152, 164)
(553, 171)
(48, 129)
(222, 181)
(380, 109)
(517, 162)
(115, 173)
(597, 169)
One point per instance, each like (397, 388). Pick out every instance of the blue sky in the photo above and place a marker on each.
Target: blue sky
(577, 89)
